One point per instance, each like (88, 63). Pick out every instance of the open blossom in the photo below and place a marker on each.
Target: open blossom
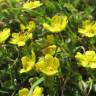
(27, 63)
(57, 24)
(88, 59)
(20, 39)
(48, 65)
(32, 4)
(88, 29)
(38, 91)
(4, 34)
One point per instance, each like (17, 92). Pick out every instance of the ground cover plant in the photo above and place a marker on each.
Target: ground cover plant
(47, 48)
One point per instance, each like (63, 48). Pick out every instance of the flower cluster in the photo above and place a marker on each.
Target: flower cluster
(39, 46)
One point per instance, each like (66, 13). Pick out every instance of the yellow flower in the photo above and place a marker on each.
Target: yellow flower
(24, 92)
(88, 59)
(57, 24)
(88, 29)
(51, 50)
(38, 91)
(27, 63)
(48, 65)
(32, 4)
(20, 38)
(29, 27)
(26, 33)
(4, 34)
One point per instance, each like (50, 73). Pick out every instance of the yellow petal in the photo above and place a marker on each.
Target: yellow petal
(38, 91)
(28, 63)
(4, 34)
(32, 4)
(23, 92)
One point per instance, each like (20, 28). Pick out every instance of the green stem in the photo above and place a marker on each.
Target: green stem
(5, 92)
(35, 84)
(79, 47)
(26, 10)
